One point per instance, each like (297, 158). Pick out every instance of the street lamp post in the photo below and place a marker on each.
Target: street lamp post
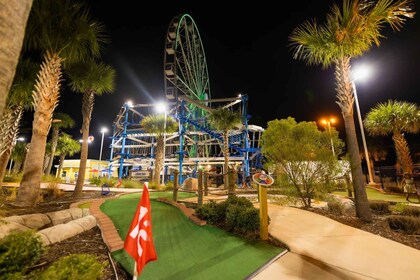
(103, 130)
(162, 107)
(328, 123)
(11, 159)
(371, 181)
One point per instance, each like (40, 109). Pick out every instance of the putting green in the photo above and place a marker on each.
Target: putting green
(185, 250)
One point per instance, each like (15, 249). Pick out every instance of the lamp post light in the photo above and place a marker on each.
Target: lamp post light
(328, 123)
(103, 130)
(162, 108)
(361, 73)
(21, 139)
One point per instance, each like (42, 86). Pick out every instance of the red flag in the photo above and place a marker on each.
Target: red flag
(139, 240)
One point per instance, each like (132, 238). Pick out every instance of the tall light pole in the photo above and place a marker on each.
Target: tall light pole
(162, 108)
(359, 74)
(328, 123)
(103, 130)
(11, 159)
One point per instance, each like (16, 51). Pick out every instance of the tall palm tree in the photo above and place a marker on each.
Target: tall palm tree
(18, 156)
(13, 18)
(65, 33)
(66, 146)
(60, 120)
(90, 79)
(155, 124)
(18, 100)
(223, 119)
(348, 33)
(396, 118)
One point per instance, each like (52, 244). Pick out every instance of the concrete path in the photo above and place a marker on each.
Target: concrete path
(334, 250)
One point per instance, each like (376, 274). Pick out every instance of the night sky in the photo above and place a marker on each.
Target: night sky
(247, 52)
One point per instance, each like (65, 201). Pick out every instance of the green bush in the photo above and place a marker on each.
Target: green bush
(399, 208)
(50, 179)
(18, 251)
(76, 266)
(336, 207)
(95, 181)
(129, 184)
(410, 225)
(236, 214)
(13, 178)
(411, 211)
(214, 213)
(12, 276)
(243, 220)
(379, 206)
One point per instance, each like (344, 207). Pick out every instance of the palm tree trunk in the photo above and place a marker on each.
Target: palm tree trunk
(62, 157)
(45, 163)
(346, 103)
(45, 101)
(403, 152)
(159, 159)
(17, 166)
(226, 157)
(4, 159)
(13, 18)
(87, 108)
(54, 142)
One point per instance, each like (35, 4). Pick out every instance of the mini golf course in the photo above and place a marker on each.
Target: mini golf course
(186, 250)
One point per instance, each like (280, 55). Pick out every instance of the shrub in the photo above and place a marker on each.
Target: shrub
(129, 184)
(407, 224)
(76, 266)
(18, 251)
(399, 208)
(95, 181)
(336, 207)
(379, 206)
(53, 191)
(411, 211)
(243, 220)
(13, 178)
(50, 179)
(214, 213)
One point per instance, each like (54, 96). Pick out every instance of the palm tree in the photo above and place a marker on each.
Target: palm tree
(65, 33)
(348, 33)
(13, 18)
(396, 118)
(18, 100)
(66, 146)
(155, 124)
(223, 119)
(18, 156)
(60, 120)
(90, 79)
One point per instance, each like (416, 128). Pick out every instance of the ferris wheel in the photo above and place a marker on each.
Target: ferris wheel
(185, 66)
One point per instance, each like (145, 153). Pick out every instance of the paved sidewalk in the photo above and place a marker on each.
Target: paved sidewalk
(334, 250)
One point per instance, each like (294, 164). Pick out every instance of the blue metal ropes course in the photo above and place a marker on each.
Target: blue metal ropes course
(134, 149)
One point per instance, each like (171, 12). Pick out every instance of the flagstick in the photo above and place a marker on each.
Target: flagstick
(135, 271)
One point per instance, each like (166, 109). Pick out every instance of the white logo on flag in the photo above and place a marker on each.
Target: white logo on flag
(138, 233)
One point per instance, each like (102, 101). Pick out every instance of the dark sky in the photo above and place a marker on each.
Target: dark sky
(247, 51)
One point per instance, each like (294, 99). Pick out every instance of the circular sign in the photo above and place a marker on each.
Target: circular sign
(263, 179)
(90, 139)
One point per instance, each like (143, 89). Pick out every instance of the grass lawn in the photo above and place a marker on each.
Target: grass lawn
(377, 195)
(185, 250)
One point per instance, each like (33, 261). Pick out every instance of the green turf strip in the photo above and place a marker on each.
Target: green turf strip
(185, 250)
(377, 195)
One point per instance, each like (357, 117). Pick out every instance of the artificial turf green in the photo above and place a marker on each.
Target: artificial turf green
(184, 249)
